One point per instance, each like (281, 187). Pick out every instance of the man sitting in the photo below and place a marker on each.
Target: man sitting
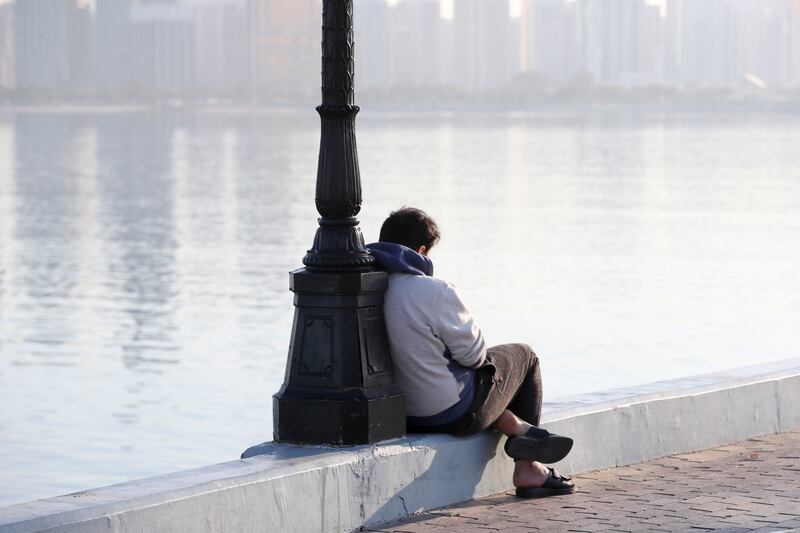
(452, 382)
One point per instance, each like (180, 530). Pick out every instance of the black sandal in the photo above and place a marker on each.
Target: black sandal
(538, 445)
(554, 485)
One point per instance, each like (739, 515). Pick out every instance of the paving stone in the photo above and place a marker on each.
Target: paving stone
(748, 486)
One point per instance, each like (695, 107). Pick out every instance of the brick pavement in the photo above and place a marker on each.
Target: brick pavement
(749, 486)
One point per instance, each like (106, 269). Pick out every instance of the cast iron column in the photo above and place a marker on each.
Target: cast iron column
(339, 387)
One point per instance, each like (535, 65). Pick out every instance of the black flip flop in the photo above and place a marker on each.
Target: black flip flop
(538, 445)
(555, 485)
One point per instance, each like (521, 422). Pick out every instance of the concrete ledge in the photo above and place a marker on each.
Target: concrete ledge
(286, 488)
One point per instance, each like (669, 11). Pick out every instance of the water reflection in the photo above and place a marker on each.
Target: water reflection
(91, 269)
(45, 228)
(7, 223)
(137, 197)
(144, 304)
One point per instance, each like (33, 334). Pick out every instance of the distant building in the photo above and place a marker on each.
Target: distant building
(794, 43)
(702, 42)
(113, 51)
(621, 41)
(285, 39)
(53, 45)
(372, 43)
(765, 41)
(551, 39)
(415, 55)
(220, 47)
(404, 45)
(720, 42)
(7, 46)
(447, 53)
(484, 44)
(270, 49)
(41, 43)
(81, 55)
(258, 51)
(650, 52)
(162, 38)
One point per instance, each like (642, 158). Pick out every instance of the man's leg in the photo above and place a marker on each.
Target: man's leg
(511, 381)
(527, 404)
(516, 390)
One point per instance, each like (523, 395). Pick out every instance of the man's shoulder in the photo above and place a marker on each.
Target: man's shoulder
(423, 282)
(418, 280)
(418, 295)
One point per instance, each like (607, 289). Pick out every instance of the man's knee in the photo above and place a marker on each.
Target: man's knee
(529, 353)
(518, 356)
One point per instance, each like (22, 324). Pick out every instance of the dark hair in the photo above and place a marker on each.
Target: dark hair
(410, 227)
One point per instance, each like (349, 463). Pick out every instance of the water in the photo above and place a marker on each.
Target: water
(144, 303)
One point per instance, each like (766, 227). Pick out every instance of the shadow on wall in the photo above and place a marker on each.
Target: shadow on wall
(442, 469)
(450, 470)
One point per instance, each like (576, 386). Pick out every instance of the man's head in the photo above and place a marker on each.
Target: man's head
(410, 227)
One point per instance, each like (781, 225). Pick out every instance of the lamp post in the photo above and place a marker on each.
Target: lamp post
(338, 388)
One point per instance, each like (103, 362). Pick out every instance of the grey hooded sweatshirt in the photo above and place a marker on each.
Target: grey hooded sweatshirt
(435, 344)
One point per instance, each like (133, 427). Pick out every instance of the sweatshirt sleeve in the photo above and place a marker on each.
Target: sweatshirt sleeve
(457, 329)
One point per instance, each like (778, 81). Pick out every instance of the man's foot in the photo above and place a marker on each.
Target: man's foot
(534, 480)
(529, 474)
(538, 445)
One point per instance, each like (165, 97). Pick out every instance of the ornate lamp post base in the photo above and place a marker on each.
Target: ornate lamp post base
(339, 387)
(338, 422)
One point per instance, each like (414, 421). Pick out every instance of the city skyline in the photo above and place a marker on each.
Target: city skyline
(268, 50)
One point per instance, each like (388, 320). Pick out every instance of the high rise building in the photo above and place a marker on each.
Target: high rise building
(793, 44)
(415, 54)
(372, 43)
(447, 53)
(7, 46)
(53, 45)
(162, 41)
(257, 51)
(113, 53)
(764, 40)
(615, 41)
(551, 39)
(80, 41)
(673, 46)
(701, 42)
(484, 44)
(649, 41)
(618, 42)
(285, 38)
(41, 43)
(221, 48)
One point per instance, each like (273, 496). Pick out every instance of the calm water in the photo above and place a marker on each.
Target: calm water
(144, 308)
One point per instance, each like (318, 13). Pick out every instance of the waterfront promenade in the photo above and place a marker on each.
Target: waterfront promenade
(305, 488)
(748, 486)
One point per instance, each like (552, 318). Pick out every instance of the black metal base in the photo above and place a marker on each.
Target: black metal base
(339, 388)
(338, 422)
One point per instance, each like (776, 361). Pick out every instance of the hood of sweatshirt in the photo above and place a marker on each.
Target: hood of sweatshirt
(396, 258)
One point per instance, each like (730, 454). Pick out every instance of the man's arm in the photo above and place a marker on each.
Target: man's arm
(456, 328)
